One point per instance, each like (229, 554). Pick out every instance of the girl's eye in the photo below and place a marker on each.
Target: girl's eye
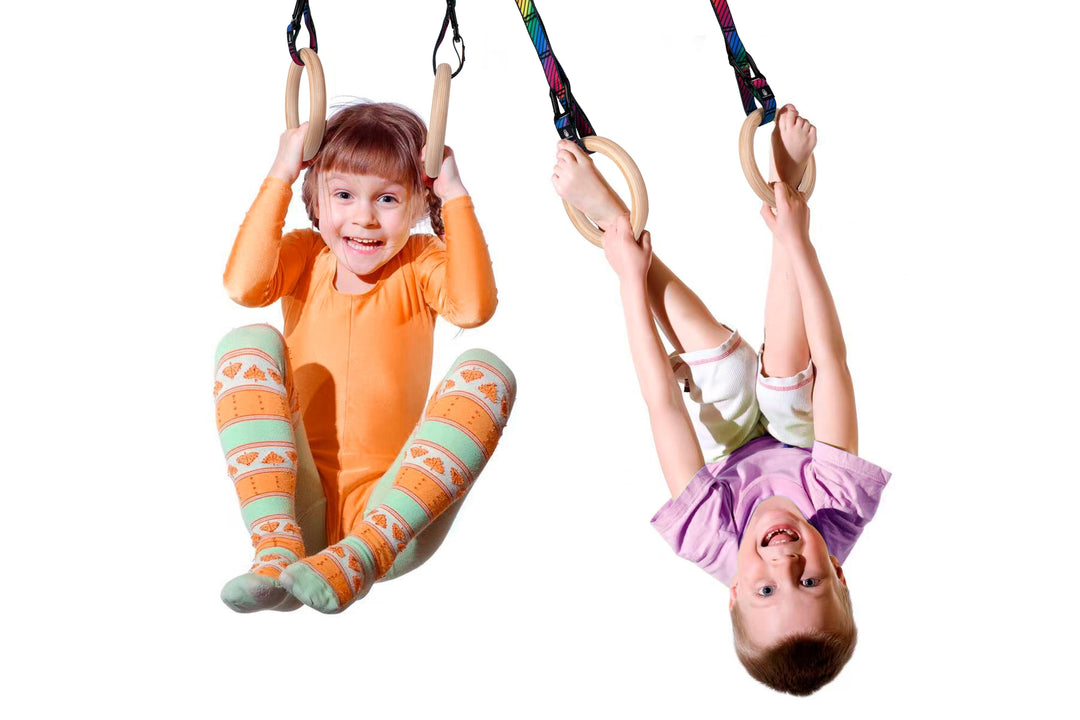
(342, 195)
(810, 582)
(766, 591)
(387, 199)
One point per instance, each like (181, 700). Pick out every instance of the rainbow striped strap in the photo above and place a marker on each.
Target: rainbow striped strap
(570, 119)
(752, 84)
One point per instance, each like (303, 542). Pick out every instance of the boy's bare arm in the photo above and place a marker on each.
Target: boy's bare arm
(835, 421)
(673, 434)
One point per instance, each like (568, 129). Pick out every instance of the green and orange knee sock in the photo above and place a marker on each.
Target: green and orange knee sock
(453, 441)
(255, 409)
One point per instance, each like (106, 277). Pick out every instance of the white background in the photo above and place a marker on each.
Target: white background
(136, 135)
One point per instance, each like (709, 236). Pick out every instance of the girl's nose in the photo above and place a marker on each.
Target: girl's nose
(365, 215)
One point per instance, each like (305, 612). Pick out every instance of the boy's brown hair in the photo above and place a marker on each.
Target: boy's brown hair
(383, 139)
(798, 664)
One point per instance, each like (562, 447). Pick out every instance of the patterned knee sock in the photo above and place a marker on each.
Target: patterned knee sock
(457, 434)
(254, 416)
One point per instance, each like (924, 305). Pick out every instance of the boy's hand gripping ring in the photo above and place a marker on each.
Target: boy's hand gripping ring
(750, 168)
(317, 95)
(639, 198)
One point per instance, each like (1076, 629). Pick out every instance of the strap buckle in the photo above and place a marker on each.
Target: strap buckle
(451, 20)
(752, 83)
(302, 10)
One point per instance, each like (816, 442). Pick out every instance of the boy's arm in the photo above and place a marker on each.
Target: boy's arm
(835, 421)
(673, 434)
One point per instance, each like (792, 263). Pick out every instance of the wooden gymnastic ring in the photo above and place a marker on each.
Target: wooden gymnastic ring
(436, 135)
(639, 198)
(750, 168)
(317, 95)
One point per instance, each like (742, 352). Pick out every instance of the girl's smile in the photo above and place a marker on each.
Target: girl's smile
(365, 222)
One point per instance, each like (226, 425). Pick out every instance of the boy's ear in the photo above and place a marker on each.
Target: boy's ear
(839, 570)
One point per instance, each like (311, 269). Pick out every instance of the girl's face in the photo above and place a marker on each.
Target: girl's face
(365, 221)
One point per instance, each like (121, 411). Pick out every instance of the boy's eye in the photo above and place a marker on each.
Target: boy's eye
(766, 591)
(810, 582)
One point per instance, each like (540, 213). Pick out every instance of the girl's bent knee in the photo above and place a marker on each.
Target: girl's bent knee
(479, 356)
(260, 337)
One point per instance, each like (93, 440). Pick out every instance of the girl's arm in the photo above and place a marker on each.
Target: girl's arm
(263, 265)
(458, 282)
(673, 433)
(835, 421)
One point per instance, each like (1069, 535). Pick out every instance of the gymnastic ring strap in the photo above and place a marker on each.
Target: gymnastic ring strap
(639, 197)
(750, 168)
(302, 10)
(570, 120)
(316, 96)
(752, 84)
(450, 20)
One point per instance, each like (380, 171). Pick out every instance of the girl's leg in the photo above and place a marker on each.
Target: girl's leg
(458, 433)
(255, 410)
(423, 546)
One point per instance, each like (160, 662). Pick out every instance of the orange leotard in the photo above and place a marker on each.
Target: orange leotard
(361, 363)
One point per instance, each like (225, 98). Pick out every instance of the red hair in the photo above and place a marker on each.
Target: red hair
(383, 139)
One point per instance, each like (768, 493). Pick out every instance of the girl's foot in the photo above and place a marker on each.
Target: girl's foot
(252, 592)
(576, 180)
(793, 140)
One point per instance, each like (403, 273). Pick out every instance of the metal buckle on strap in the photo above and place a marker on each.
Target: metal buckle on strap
(302, 10)
(450, 20)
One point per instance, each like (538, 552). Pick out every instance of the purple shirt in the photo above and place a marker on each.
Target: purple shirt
(837, 492)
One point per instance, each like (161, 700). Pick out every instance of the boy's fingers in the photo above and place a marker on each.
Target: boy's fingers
(573, 148)
(767, 215)
(783, 199)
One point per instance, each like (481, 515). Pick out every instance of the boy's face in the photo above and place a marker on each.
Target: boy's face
(786, 582)
(364, 220)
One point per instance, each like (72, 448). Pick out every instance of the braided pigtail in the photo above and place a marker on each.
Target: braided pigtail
(434, 206)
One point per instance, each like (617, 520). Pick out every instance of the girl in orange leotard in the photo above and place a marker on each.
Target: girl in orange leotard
(315, 422)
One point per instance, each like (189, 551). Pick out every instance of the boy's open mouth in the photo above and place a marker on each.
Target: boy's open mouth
(778, 535)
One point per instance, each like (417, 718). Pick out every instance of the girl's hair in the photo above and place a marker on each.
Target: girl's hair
(383, 139)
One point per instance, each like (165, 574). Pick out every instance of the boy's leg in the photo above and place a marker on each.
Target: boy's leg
(786, 350)
(459, 431)
(255, 406)
(683, 318)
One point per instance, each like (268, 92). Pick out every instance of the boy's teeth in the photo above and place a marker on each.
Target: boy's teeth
(779, 537)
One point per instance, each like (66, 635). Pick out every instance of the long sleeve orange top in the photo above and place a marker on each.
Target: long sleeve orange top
(361, 363)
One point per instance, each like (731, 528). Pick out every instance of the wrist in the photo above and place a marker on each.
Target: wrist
(283, 173)
(632, 285)
(455, 190)
(794, 239)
